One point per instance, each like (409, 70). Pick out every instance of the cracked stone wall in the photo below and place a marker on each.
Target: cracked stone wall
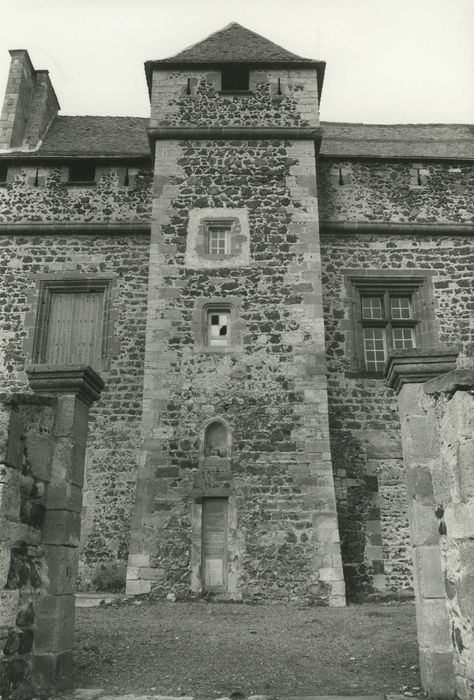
(363, 413)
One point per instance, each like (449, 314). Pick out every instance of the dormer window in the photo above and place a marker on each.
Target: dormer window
(81, 173)
(235, 78)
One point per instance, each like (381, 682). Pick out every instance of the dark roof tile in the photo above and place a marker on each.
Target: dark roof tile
(235, 43)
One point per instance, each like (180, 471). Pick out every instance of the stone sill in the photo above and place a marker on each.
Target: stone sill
(81, 183)
(223, 349)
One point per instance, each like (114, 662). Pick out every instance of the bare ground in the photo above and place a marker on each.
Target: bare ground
(212, 649)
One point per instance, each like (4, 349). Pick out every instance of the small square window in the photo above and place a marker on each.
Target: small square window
(218, 327)
(81, 172)
(403, 338)
(235, 78)
(218, 239)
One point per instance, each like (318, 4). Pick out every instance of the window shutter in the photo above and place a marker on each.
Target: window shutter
(75, 329)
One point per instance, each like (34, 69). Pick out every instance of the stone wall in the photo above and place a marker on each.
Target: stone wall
(42, 455)
(37, 193)
(115, 420)
(363, 413)
(26, 446)
(380, 191)
(297, 106)
(269, 387)
(449, 401)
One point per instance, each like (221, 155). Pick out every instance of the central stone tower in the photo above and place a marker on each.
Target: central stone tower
(235, 493)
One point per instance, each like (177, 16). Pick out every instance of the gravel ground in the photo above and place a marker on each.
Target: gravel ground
(211, 649)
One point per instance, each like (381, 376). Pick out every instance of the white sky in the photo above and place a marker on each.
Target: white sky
(388, 61)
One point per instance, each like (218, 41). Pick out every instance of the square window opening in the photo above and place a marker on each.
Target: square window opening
(218, 327)
(81, 172)
(235, 78)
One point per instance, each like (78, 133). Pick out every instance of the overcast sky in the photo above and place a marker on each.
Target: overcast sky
(388, 61)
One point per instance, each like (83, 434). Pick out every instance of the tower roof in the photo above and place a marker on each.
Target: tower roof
(235, 44)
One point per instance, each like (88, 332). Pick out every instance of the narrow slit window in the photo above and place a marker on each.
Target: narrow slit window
(3, 173)
(218, 327)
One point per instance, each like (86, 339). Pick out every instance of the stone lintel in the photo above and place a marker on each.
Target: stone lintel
(456, 380)
(78, 380)
(418, 365)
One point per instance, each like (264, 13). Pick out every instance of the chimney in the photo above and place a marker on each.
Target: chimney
(30, 104)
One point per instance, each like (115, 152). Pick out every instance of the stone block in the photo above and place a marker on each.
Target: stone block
(40, 453)
(137, 587)
(11, 432)
(4, 563)
(62, 527)
(149, 574)
(432, 625)
(417, 440)
(61, 565)
(10, 494)
(429, 576)
(437, 673)
(51, 672)
(423, 523)
(63, 495)
(465, 470)
(54, 623)
(8, 607)
(139, 559)
(419, 483)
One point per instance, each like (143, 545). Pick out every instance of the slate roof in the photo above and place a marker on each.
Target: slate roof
(95, 137)
(126, 137)
(455, 141)
(235, 43)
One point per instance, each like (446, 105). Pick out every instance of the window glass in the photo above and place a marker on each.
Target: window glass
(375, 349)
(400, 307)
(403, 338)
(372, 307)
(218, 240)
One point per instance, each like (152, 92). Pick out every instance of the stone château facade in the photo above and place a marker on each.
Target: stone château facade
(236, 271)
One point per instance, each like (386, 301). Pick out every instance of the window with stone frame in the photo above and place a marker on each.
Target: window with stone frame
(72, 324)
(218, 326)
(389, 313)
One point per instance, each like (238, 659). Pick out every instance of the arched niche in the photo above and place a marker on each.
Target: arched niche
(217, 440)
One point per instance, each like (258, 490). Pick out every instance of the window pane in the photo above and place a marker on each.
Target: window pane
(218, 327)
(403, 338)
(371, 307)
(400, 307)
(374, 349)
(218, 240)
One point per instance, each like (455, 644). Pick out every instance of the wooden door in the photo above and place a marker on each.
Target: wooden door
(214, 543)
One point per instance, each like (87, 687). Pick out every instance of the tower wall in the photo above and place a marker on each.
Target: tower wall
(267, 387)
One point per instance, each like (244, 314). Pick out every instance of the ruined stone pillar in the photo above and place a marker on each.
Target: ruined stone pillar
(75, 388)
(406, 372)
(450, 404)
